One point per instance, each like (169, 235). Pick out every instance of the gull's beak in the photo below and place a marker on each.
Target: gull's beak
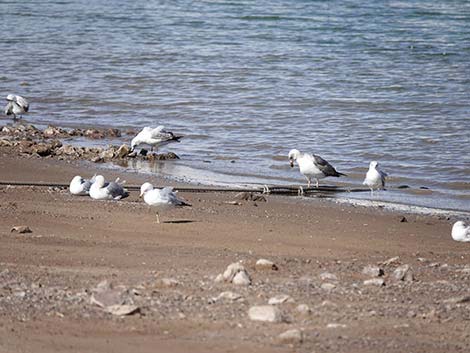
(291, 163)
(141, 194)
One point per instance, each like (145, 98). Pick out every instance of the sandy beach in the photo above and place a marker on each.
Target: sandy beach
(168, 271)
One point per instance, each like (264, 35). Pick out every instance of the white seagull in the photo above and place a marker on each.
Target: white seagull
(375, 178)
(160, 199)
(154, 137)
(102, 190)
(312, 166)
(16, 105)
(461, 232)
(81, 186)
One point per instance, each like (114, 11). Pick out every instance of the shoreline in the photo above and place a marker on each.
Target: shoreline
(422, 197)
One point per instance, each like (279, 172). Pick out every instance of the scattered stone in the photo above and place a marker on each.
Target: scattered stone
(121, 310)
(336, 325)
(392, 260)
(403, 273)
(264, 264)
(249, 196)
(5, 143)
(219, 278)
(373, 271)
(458, 300)
(280, 299)
(327, 276)
(42, 149)
(228, 296)
(108, 153)
(94, 134)
(68, 150)
(123, 151)
(167, 282)
(232, 270)
(113, 133)
(328, 286)
(293, 336)
(379, 282)
(52, 131)
(303, 309)
(241, 279)
(105, 295)
(267, 313)
(21, 229)
(403, 220)
(403, 187)
(97, 159)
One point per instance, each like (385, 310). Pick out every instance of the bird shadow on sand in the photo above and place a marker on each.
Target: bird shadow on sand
(180, 221)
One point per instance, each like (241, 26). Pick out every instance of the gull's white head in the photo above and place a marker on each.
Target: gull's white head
(135, 141)
(11, 97)
(293, 155)
(99, 180)
(459, 225)
(373, 164)
(76, 180)
(144, 188)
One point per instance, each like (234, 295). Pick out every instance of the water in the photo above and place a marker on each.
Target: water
(246, 81)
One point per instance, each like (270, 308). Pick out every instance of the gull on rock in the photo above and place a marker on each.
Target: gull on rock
(375, 178)
(461, 232)
(312, 166)
(161, 199)
(81, 186)
(154, 137)
(16, 106)
(102, 190)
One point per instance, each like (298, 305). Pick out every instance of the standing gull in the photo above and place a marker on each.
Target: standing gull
(102, 190)
(160, 199)
(81, 186)
(16, 105)
(375, 178)
(461, 232)
(154, 137)
(312, 166)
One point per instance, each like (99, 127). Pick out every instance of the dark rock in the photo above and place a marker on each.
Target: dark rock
(94, 134)
(403, 220)
(42, 149)
(123, 151)
(21, 229)
(113, 133)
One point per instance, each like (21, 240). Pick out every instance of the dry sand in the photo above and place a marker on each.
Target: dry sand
(47, 276)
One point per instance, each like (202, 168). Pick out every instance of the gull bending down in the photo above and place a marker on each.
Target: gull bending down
(461, 232)
(16, 105)
(154, 137)
(375, 178)
(81, 186)
(102, 190)
(312, 166)
(161, 199)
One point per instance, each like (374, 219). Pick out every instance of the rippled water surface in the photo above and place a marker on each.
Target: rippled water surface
(246, 81)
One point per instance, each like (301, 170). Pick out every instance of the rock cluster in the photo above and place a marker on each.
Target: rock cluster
(50, 142)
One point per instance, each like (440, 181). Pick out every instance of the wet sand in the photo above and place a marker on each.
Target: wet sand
(47, 276)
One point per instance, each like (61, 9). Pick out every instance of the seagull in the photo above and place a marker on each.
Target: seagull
(375, 178)
(154, 137)
(161, 199)
(461, 232)
(80, 186)
(101, 190)
(312, 166)
(16, 105)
